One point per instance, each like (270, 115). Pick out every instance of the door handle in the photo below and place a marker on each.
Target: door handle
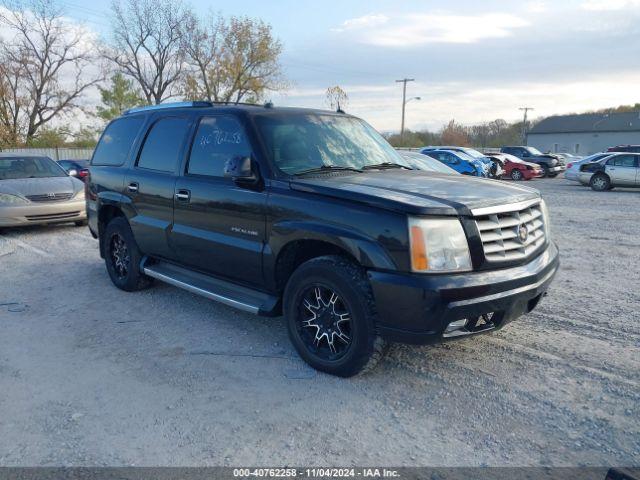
(183, 195)
(133, 187)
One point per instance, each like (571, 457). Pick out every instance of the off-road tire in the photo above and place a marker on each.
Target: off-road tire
(350, 282)
(600, 182)
(134, 279)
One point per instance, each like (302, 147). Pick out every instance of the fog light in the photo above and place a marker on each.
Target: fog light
(457, 325)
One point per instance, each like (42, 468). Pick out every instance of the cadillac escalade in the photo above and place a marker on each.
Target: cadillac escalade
(313, 215)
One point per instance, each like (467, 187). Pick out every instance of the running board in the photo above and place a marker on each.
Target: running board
(237, 296)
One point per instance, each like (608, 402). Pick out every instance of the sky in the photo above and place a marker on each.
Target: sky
(472, 61)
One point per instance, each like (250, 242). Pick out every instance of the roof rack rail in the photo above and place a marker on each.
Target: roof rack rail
(163, 106)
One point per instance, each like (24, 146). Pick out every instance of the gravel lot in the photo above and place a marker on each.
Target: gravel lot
(90, 375)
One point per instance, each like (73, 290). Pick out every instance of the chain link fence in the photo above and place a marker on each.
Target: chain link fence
(55, 153)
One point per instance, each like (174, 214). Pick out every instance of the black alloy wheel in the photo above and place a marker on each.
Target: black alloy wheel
(119, 255)
(324, 322)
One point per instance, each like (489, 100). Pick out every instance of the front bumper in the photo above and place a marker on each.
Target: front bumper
(36, 213)
(557, 169)
(415, 308)
(529, 174)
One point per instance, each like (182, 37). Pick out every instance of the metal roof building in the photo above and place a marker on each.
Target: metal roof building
(586, 133)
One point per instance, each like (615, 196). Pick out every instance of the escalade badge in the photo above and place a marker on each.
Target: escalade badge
(523, 233)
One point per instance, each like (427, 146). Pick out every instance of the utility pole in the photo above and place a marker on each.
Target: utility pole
(404, 100)
(524, 123)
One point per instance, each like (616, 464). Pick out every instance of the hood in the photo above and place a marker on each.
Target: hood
(24, 187)
(535, 166)
(416, 192)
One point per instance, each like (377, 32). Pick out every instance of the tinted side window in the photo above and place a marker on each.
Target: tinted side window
(114, 146)
(163, 144)
(217, 140)
(623, 161)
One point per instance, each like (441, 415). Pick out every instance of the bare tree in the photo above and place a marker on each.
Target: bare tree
(47, 64)
(147, 40)
(231, 60)
(336, 98)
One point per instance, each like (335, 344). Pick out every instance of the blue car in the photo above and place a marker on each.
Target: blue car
(460, 162)
(472, 153)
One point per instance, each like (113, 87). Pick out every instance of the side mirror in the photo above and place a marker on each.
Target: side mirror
(240, 169)
(73, 173)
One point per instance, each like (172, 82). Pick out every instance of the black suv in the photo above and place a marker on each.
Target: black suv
(314, 216)
(552, 165)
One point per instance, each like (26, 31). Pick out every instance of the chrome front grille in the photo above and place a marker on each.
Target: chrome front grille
(50, 197)
(511, 235)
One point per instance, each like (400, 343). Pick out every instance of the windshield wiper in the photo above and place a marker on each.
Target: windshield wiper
(329, 168)
(385, 165)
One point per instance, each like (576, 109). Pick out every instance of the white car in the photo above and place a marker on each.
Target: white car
(573, 168)
(616, 170)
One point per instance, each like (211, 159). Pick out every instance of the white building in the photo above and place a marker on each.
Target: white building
(585, 134)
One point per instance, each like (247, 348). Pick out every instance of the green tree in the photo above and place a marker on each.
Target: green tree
(231, 59)
(120, 96)
(49, 137)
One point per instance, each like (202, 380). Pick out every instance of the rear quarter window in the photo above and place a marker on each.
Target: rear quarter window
(116, 141)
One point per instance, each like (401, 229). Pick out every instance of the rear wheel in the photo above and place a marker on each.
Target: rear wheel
(516, 174)
(600, 182)
(330, 316)
(123, 257)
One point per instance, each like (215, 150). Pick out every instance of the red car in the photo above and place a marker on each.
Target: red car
(515, 168)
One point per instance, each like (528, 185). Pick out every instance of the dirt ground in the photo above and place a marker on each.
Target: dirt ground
(90, 375)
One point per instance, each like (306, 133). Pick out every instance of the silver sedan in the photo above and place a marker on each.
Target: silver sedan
(36, 190)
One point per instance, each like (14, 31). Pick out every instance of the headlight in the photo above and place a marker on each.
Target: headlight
(438, 245)
(7, 199)
(546, 219)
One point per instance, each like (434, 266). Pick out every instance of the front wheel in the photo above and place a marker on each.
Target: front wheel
(516, 174)
(123, 257)
(330, 315)
(545, 171)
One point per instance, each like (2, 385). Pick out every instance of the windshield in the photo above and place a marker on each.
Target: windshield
(534, 151)
(462, 156)
(473, 153)
(29, 167)
(297, 143)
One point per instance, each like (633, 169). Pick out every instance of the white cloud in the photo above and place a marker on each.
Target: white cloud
(421, 29)
(371, 20)
(610, 5)
(536, 7)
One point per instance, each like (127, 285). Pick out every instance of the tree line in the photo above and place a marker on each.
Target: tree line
(484, 135)
(156, 50)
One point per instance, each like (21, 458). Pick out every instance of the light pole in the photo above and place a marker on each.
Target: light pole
(404, 100)
(524, 124)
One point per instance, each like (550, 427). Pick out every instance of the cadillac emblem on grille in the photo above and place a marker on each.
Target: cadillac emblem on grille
(523, 233)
